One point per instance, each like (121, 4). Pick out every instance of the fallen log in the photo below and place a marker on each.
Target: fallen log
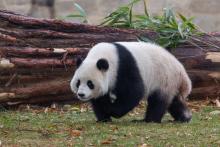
(17, 21)
(47, 99)
(200, 59)
(36, 63)
(44, 100)
(204, 78)
(57, 33)
(37, 71)
(40, 52)
(56, 87)
(22, 80)
(37, 57)
(206, 92)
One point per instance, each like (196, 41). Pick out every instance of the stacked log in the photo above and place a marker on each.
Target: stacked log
(37, 58)
(203, 68)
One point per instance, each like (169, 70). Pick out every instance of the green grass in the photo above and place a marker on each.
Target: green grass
(75, 128)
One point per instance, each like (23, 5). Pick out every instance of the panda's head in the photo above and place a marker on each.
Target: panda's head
(89, 80)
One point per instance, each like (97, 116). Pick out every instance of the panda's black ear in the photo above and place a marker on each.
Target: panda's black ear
(78, 62)
(102, 64)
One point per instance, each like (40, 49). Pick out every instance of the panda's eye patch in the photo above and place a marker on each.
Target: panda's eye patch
(78, 83)
(90, 84)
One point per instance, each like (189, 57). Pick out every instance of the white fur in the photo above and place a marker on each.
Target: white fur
(158, 68)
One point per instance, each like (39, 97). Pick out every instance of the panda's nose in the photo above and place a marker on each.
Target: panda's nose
(81, 94)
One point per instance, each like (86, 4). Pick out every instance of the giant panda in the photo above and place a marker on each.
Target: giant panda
(114, 77)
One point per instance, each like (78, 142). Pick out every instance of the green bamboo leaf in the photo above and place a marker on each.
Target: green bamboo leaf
(183, 18)
(192, 26)
(143, 17)
(74, 15)
(145, 39)
(80, 9)
(180, 30)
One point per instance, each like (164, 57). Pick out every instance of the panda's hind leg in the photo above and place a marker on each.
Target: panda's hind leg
(179, 110)
(157, 107)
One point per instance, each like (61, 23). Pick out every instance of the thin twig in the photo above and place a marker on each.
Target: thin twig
(11, 80)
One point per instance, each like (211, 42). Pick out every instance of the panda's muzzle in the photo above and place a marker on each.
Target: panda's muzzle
(81, 95)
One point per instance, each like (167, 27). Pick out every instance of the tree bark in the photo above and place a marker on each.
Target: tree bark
(206, 92)
(54, 87)
(204, 78)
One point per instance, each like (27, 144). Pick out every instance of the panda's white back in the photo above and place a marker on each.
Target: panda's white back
(159, 69)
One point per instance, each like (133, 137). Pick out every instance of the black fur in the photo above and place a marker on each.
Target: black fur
(157, 107)
(129, 88)
(100, 107)
(90, 84)
(179, 110)
(102, 64)
(78, 83)
(78, 62)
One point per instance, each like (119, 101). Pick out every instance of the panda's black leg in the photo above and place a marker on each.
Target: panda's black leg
(100, 112)
(157, 107)
(179, 110)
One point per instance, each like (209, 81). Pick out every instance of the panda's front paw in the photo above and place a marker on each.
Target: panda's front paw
(104, 120)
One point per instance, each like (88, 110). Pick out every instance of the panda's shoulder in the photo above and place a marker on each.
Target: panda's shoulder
(141, 46)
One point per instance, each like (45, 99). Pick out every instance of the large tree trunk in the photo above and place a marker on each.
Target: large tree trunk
(37, 58)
